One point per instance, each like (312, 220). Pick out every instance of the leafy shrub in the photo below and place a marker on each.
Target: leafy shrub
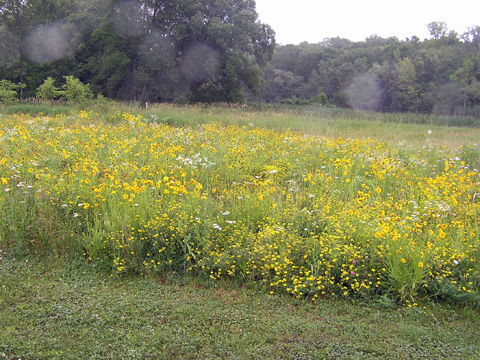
(8, 91)
(319, 99)
(295, 101)
(48, 90)
(102, 100)
(75, 91)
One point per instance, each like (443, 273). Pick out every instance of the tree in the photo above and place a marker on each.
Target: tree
(449, 96)
(465, 76)
(408, 75)
(9, 49)
(209, 50)
(472, 36)
(48, 90)
(407, 85)
(474, 91)
(75, 91)
(281, 85)
(18, 19)
(438, 29)
(107, 62)
(8, 91)
(238, 47)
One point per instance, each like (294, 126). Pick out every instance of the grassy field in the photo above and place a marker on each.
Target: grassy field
(409, 130)
(69, 310)
(312, 209)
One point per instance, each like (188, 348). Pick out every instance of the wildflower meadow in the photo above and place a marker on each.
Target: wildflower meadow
(293, 212)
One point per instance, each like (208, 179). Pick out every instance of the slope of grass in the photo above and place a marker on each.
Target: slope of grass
(63, 309)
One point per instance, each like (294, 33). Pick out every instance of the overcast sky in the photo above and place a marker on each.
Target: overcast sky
(313, 20)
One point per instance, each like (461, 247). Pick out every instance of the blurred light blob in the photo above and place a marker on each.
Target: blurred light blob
(365, 93)
(129, 20)
(200, 62)
(47, 43)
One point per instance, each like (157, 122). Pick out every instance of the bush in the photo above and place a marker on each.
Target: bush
(48, 91)
(319, 99)
(75, 91)
(295, 101)
(8, 91)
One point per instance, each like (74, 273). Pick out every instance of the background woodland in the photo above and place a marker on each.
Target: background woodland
(218, 51)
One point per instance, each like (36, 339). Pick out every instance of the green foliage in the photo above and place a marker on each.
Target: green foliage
(437, 29)
(48, 90)
(295, 101)
(75, 91)
(143, 65)
(102, 101)
(438, 75)
(447, 292)
(319, 99)
(8, 91)
(19, 21)
(124, 53)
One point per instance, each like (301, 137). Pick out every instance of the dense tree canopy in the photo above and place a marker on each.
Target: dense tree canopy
(170, 50)
(440, 74)
(218, 51)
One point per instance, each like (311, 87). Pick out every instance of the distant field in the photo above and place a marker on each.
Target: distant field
(312, 204)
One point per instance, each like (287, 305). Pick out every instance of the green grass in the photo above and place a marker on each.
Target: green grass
(37, 109)
(68, 310)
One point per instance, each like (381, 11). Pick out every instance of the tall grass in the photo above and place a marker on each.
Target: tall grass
(216, 192)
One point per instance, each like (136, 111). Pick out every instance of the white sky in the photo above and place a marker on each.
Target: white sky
(314, 20)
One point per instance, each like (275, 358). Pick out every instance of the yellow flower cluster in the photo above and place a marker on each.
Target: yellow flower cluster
(298, 213)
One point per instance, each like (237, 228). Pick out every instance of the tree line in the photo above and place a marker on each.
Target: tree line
(440, 74)
(152, 50)
(218, 51)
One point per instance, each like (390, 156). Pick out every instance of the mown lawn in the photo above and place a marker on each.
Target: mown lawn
(62, 309)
